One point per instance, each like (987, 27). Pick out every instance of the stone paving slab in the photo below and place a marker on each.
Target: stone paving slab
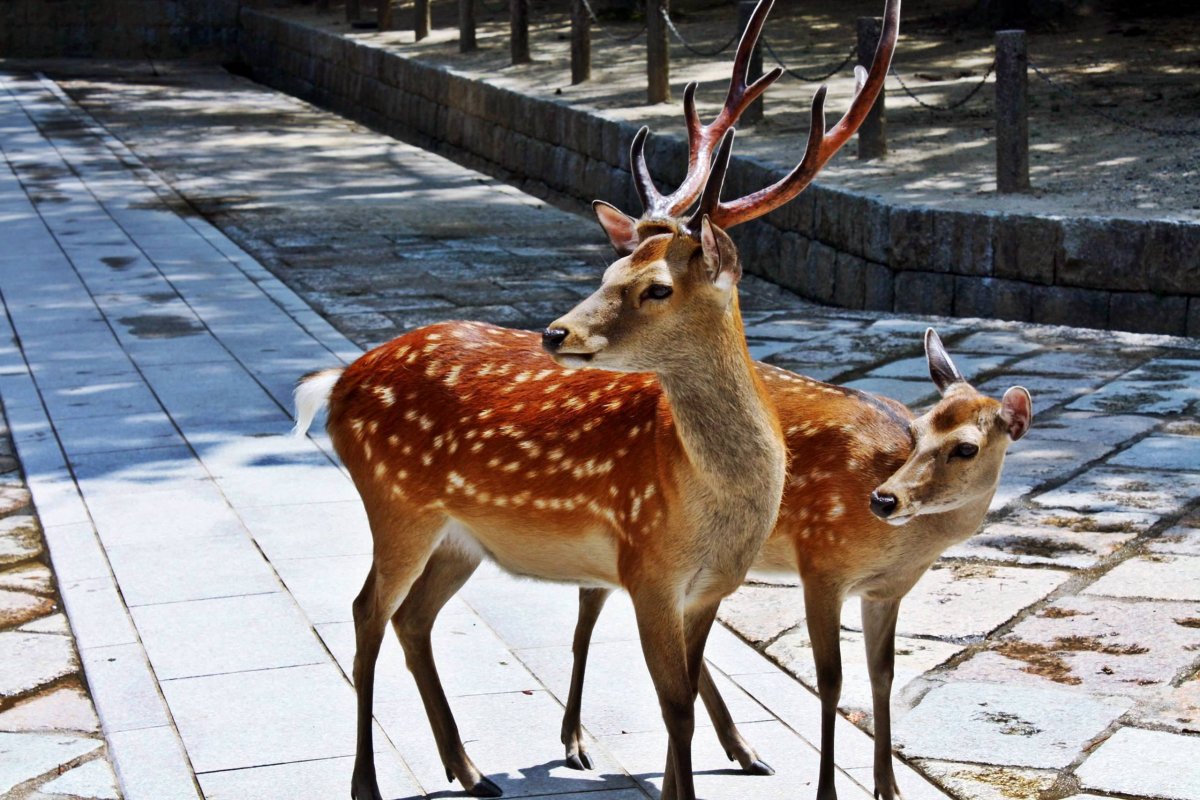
(374, 263)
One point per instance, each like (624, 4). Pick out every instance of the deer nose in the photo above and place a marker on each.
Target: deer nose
(882, 505)
(552, 338)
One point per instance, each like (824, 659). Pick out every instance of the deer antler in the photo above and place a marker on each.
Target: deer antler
(703, 138)
(821, 145)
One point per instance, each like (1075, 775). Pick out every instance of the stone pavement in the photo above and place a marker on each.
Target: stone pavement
(1054, 654)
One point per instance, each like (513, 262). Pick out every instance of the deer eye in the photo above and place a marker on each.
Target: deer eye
(964, 450)
(657, 291)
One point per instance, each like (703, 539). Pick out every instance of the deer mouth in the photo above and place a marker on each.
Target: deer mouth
(573, 359)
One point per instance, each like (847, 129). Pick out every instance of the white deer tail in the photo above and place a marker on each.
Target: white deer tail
(312, 394)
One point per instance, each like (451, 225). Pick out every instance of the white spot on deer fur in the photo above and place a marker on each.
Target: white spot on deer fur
(546, 406)
(411, 357)
(635, 508)
(556, 454)
(487, 434)
(407, 450)
(512, 466)
(380, 469)
(356, 425)
(475, 448)
(455, 479)
(612, 490)
(836, 510)
(401, 474)
(429, 348)
(425, 422)
(539, 504)
(386, 395)
(521, 377)
(541, 376)
(410, 414)
(401, 352)
(433, 337)
(393, 440)
(493, 463)
(573, 436)
(487, 412)
(531, 448)
(453, 448)
(573, 403)
(552, 388)
(613, 405)
(517, 407)
(367, 450)
(426, 459)
(486, 370)
(452, 376)
(373, 426)
(432, 369)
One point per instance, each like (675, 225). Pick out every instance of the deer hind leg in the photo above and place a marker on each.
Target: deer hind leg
(879, 635)
(736, 748)
(823, 607)
(448, 569)
(591, 603)
(664, 646)
(401, 551)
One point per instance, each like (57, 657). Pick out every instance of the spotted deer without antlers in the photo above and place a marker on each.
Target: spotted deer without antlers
(642, 453)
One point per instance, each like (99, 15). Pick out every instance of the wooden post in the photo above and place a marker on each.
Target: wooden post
(353, 9)
(421, 18)
(519, 23)
(383, 15)
(754, 70)
(466, 26)
(872, 135)
(1012, 113)
(658, 59)
(581, 42)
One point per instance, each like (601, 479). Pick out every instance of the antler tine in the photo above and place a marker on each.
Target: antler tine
(821, 145)
(710, 198)
(703, 138)
(642, 182)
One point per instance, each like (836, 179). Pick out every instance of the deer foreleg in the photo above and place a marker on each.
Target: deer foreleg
(448, 569)
(664, 645)
(591, 603)
(824, 609)
(879, 635)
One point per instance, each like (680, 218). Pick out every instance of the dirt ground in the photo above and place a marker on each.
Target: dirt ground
(1113, 72)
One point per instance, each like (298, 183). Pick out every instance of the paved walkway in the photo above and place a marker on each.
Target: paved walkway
(1085, 582)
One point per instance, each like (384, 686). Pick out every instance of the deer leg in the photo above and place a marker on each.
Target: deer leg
(697, 623)
(591, 603)
(661, 628)
(824, 610)
(879, 635)
(448, 569)
(400, 556)
(736, 748)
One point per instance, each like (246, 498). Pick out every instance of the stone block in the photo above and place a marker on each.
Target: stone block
(1193, 316)
(962, 243)
(849, 283)
(1026, 248)
(1061, 305)
(1144, 763)
(796, 216)
(1169, 257)
(1157, 577)
(910, 237)
(816, 280)
(992, 298)
(793, 257)
(878, 287)
(874, 226)
(1142, 312)
(995, 724)
(924, 293)
(1103, 254)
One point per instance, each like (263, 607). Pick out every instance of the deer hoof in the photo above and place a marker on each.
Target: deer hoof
(580, 761)
(485, 788)
(365, 789)
(759, 767)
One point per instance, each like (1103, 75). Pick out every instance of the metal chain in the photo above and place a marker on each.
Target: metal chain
(1113, 118)
(693, 50)
(817, 79)
(619, 39)
(950, 107)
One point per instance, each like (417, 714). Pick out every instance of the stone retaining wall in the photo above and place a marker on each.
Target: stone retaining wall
(833, 246)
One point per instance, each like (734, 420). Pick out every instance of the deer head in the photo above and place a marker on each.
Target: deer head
(958, 445)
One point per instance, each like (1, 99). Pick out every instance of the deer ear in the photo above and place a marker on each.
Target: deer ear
(941, 368)
(720, 256)
(1016, 411)
(620, 227)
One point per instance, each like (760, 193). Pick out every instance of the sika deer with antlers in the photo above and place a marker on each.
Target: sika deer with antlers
(873, 498)
(466, 441)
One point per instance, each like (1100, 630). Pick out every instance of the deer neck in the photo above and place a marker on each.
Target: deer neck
(724, 420)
